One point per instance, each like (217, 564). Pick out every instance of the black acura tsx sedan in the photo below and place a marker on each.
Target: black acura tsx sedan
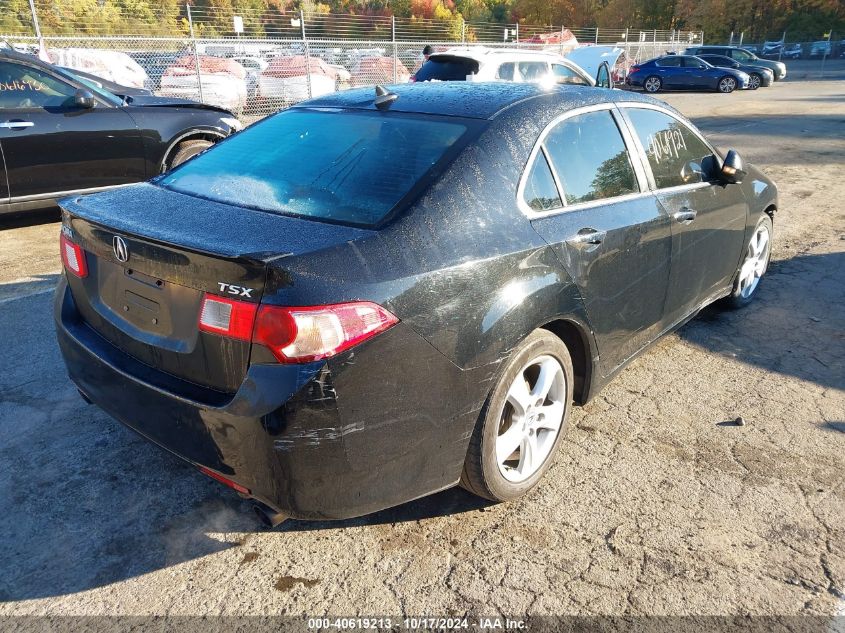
(368, 298)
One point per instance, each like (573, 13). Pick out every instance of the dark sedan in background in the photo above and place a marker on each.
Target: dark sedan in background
(369, 297)
(758, 76)
(61, 133)
(742, 55)
(684, 72)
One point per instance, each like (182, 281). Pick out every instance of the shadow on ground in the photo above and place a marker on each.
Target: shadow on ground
(795, 326)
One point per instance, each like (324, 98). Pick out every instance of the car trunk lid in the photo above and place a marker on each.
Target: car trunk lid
(153, 255)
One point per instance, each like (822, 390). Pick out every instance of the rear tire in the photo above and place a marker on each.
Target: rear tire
(186, 150)
(755, 262)
(652, 84)
(522, 422)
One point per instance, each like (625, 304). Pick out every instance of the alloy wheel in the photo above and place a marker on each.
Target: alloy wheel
(756, 261)
(727, 84)
(652, 84)
(531, 418)
(754, 82)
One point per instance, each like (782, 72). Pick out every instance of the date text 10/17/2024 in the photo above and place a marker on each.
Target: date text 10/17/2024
(418, 623)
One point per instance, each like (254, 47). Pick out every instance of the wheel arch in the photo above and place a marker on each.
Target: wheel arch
(574, 335)
(770, 211)
(196, 134)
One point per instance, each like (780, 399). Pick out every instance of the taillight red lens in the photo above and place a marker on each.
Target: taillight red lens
(295, 335)
(299, 335)
(634, 69)
(233, 319)
(73, 257)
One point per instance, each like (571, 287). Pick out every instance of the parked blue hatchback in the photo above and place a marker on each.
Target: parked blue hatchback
(684, 72)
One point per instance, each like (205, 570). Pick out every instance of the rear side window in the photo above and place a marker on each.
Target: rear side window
(540, 189)
(533, 71)
(590, 158)
(447, 68)
(675, 153)
(505, 71)
(346, 167)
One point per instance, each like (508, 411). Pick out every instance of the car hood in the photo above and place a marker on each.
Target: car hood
(151, 101)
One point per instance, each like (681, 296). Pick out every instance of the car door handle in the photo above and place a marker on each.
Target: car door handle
(685, 215)
(17, 125)
(587, 236)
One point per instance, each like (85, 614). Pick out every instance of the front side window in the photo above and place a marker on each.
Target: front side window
(346, 167)
(693, 62)
(25, 87)
(565, 75)
(541, 192)
(590, 158)
(669, 62)
(676, 155)
(743, 56)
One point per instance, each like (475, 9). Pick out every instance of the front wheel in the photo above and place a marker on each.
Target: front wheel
(754, 81)
(727, 84)
(653, 84)
(754, 264)
(522, 422)
(186, 150)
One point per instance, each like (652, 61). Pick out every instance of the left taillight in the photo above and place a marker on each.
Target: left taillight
(73, 257)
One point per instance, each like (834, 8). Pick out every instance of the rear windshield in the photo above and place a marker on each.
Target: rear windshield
(346, 167)
(447, 68)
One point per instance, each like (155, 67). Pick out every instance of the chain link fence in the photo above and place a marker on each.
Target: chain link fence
(299, 58)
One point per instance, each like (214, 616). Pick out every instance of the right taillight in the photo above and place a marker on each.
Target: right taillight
(300, 335)
(295, 334)
(73, 257)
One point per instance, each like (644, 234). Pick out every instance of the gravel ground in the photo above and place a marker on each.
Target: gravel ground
(658, 503)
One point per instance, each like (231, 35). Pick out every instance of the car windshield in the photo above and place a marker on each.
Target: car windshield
(339, 166)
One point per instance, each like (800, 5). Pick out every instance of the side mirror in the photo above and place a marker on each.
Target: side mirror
(603, 76)
(732, 169)
(84, 99)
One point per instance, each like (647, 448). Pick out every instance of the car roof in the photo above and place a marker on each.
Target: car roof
(469, 99)
(482, 53)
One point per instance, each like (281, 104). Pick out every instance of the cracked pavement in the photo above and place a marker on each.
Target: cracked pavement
(658, 502)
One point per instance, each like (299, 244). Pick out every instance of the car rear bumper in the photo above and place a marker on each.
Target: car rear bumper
(384, 423)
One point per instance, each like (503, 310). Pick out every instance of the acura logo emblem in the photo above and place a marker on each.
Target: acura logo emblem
(121, 250)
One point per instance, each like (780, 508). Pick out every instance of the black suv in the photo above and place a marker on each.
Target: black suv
(62, 133)
(741, 55)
